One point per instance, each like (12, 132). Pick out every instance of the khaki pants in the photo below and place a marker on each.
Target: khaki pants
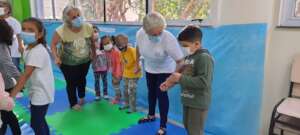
(193, 120)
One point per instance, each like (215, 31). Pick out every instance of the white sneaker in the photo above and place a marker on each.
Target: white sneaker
(97, 98)
(106, 97)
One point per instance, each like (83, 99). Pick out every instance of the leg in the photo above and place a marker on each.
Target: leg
(68, 72)
(132, 94)
(195, 120)
(97, 83)
(9, 118)
(126, 90)
(83, 70)
(163, 100)
(116, 85)
(38, 120)
(104, 82)
(151, 80)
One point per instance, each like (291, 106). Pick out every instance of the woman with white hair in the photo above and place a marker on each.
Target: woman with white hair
(76, 41)
(162, 54)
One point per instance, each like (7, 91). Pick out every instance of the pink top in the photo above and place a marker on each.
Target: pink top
(114, 62)
(6, 102)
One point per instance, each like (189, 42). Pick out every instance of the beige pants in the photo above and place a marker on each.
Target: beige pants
(193, 120)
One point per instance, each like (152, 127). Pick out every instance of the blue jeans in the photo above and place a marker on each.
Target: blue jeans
(16, 62)
(38, 119)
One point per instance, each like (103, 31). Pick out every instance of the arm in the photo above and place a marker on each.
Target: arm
(22, 80)
(55, 40)
(93, 47)
(20, 43)
(137, 63)
(6, 102)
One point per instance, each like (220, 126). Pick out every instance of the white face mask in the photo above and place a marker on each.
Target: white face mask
(186, 51)
(108, 47)
(2, 11)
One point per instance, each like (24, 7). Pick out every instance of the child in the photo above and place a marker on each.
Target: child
(195, 80)
(131, 78)
(115, 66)
(6, 102)
(100, 67)
(38, 72)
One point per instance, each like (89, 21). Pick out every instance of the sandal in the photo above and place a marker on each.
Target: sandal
(162, 131)
(146, 119)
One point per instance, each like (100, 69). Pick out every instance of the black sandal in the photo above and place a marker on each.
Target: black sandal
(162, 131)
(146, 119)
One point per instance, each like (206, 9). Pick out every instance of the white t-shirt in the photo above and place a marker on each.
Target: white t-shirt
(159, 57)
(16, 26)
(41, 82)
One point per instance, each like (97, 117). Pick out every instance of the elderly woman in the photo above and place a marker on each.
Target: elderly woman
(76, 41)
(162, 54)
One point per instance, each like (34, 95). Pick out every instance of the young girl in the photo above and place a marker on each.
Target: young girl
(38, 72)
(100, 67)
(115, 65)
(6, 102)
(131, 78)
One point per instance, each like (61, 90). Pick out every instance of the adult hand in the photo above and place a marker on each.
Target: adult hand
(58, 61)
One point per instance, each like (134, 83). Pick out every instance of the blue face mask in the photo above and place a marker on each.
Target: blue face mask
(28, 37)
(154, 39)
(77, 22)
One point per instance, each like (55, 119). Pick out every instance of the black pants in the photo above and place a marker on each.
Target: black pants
(38, 119)
(9, 118)
(154, 93)
(75, 77)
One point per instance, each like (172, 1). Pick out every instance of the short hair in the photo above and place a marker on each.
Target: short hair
(6, 33)
(67, 9)
(6, 4)
(153, 20)
(190, 33)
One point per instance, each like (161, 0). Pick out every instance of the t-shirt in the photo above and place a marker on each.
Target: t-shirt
(41, 82)
(159, 57)
(16, 26)
(129, 62)
(114, 62)
(75, 47)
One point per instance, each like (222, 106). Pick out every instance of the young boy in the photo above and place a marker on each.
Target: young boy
(195, 78)
(129, 60)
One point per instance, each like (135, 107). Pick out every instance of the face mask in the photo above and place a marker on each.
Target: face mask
(28, 37)
(108, 47)
(2, 11)
(123, 49)
(186, 51)
(77, 22)
(154, 39)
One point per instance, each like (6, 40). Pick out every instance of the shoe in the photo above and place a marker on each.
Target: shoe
(146, 119)
(76, 107)
(97, 98)
(162, 131)
(106, 97)
(115, 101)
(123, 107)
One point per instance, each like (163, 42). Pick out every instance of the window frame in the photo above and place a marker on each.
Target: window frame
(212, 20)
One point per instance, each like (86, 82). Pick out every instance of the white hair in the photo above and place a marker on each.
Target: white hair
(153, 20)
(67, 9)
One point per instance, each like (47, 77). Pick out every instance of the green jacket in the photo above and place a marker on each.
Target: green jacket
(196, 80)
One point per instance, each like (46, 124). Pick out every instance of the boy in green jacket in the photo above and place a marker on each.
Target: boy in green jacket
(195, 78)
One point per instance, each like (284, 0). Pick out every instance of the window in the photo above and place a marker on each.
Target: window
(125, 10)
(182, 9)
(175, 11)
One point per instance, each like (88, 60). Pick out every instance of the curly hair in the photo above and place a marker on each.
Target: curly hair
(6, 33)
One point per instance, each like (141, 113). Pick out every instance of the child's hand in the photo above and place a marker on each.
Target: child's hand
(137, 69)
(58, 61)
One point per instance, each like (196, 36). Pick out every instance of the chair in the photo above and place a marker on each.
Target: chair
(286, 114)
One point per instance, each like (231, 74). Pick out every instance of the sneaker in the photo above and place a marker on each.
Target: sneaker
(97, 98)
(106, 97)
(124, 107)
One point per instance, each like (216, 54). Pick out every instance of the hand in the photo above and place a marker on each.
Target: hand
(58, 61)
(21, 49)
(137, 69)
(164, 86)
